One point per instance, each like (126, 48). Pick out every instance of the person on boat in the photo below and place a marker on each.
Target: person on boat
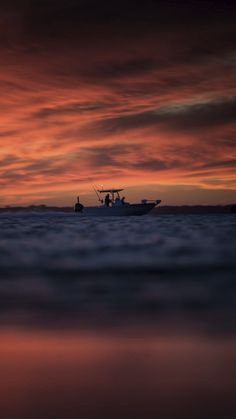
(118, 201)
(78, 206)
(123, 202)
(107, 200)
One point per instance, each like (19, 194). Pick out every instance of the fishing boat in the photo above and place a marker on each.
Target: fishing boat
(115, 206)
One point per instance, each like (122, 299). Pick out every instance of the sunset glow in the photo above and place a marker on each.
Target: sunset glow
(144, 101)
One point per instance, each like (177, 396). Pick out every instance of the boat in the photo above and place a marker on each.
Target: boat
(115, 206)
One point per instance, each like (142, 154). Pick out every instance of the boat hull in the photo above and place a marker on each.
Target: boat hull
(118, 211)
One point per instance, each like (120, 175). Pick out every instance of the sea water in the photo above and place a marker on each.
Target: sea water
(117, 318)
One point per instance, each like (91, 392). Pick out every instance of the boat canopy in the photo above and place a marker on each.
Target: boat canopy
(109, 190)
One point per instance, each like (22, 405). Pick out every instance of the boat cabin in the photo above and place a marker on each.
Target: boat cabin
(115, 196)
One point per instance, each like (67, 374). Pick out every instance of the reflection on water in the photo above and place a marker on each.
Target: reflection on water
(113, 375)
(126, 318)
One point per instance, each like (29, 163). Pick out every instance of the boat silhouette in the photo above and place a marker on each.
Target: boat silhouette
(115, 205)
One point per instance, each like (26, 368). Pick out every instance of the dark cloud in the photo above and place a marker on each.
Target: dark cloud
(150, 164)
(119, 69)
(180, 117)
(74, 73)
(11, 86)
(230, 163)
(8, 160)
(126, 156)
(57, 14)
(70, 109)
(13, 176)
(28, 169)
(201, 116)
(102, 41)
(109, 155)
(85, 21)
(8, 133)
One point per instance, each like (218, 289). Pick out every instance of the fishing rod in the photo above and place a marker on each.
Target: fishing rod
(96, 192)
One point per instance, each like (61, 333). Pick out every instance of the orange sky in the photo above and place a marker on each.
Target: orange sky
(137, 103)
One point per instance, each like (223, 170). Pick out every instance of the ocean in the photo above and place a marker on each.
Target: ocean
(118, 317)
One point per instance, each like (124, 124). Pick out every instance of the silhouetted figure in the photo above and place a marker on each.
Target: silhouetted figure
(123, 200)
(107, 200)
(78, 206)
(118, 201)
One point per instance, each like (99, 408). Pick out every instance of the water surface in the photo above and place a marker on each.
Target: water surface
(117, 318)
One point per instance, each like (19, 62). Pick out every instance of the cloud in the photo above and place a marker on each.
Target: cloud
(8, 160)
(9, 133)
(180, 117)
(118, 69)
(117, 91)
(150, 164)
(72, 108)
(127, 156)
(231, 164)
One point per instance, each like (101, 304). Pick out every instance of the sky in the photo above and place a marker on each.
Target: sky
(131, 94)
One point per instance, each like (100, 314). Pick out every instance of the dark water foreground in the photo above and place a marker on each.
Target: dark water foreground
(118, 318)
